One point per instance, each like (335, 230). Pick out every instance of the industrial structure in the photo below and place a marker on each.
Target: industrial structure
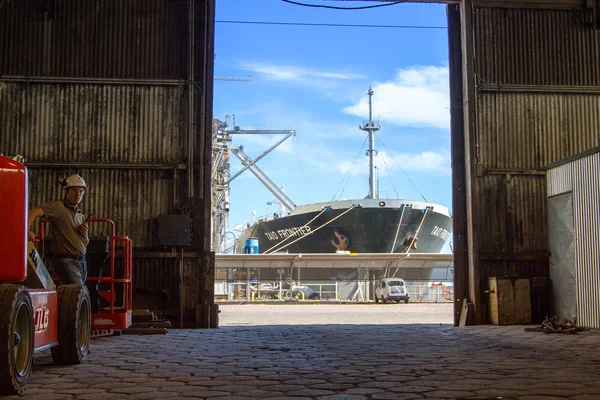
(221, 177)
(121, 93)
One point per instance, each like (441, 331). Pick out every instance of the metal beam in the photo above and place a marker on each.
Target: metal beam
(101, 165)
(558, 89)
(550, 4)
(93, 81)
(264, 179)
(259, 157)
(457, 143)
(259, 132)
(545, 4)
(498, 171)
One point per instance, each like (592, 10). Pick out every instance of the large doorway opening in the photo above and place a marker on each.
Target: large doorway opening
(339, 115)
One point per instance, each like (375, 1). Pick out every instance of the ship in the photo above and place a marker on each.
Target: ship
(367, 225)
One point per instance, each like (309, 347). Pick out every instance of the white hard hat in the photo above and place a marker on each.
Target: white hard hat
(74, 181)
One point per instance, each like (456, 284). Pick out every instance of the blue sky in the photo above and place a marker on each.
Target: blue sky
(315, 80)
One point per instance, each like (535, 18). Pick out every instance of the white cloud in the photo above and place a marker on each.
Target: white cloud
(418, 97)
(427, 161)
(299, 74)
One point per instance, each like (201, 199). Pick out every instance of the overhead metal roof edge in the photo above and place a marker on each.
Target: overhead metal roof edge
(572, 158)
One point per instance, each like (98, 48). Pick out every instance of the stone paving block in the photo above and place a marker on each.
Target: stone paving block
(199, 392)
(110, 385)
(459, 386)
(143, 381)
(304, 382)
(342, 397)
(558, 392)
(363, 391)
(56, 386)
(101, 396)
(49, 381)
(384, 385)
(395, 396)
(309, 392)
(161, 383)
(412, 389)
(46, 396)
(154, 395)
(499, 393)
(133, 390)
(259, 382)
(232, 398)
(282, 388)
(332, 386)
(448, 394)
(262, 394)
(290, 398)
(37, 390)
(79, 392)
(397, 378)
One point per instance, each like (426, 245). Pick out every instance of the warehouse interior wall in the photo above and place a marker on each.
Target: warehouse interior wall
(530, 98)
(120, 92)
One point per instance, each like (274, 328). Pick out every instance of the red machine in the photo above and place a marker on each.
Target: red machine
(115, 287)
(36, 316)
(109, 279)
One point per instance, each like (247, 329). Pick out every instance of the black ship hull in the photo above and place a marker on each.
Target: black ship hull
(356, 230)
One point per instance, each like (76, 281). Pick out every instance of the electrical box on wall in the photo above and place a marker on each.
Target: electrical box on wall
(174, 230)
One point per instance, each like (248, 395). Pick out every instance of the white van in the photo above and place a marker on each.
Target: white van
(392, 289)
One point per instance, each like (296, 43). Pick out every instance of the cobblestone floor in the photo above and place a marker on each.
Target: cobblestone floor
(331, 361)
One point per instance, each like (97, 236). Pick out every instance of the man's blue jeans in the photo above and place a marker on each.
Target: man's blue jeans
(70, 271)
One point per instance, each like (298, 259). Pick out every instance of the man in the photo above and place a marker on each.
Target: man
(69, 232)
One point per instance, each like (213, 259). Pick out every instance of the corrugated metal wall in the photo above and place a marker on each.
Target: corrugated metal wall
(140, 39)
(116, 90)
(582, 178)
(536, 47)
(536, 101)
(137, 124)
(526, 131)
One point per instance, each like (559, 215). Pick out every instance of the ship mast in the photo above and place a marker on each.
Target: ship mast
(371, 128)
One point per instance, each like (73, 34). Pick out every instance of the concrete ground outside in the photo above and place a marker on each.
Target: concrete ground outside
(334, 352)
(332, 313)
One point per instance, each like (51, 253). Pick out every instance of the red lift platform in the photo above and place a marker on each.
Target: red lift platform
(109, 262)
(34, 314)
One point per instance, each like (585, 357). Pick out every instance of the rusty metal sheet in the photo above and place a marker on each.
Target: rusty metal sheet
(512, 227)
(130, 39)
(116, 91)
(93, 123)
(536, 47)
(527, 131)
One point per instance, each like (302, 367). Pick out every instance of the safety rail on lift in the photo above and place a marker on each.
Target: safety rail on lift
(110, 318)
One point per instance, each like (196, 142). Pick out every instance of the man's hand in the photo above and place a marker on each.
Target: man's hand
(31, 236)
(83, 229)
